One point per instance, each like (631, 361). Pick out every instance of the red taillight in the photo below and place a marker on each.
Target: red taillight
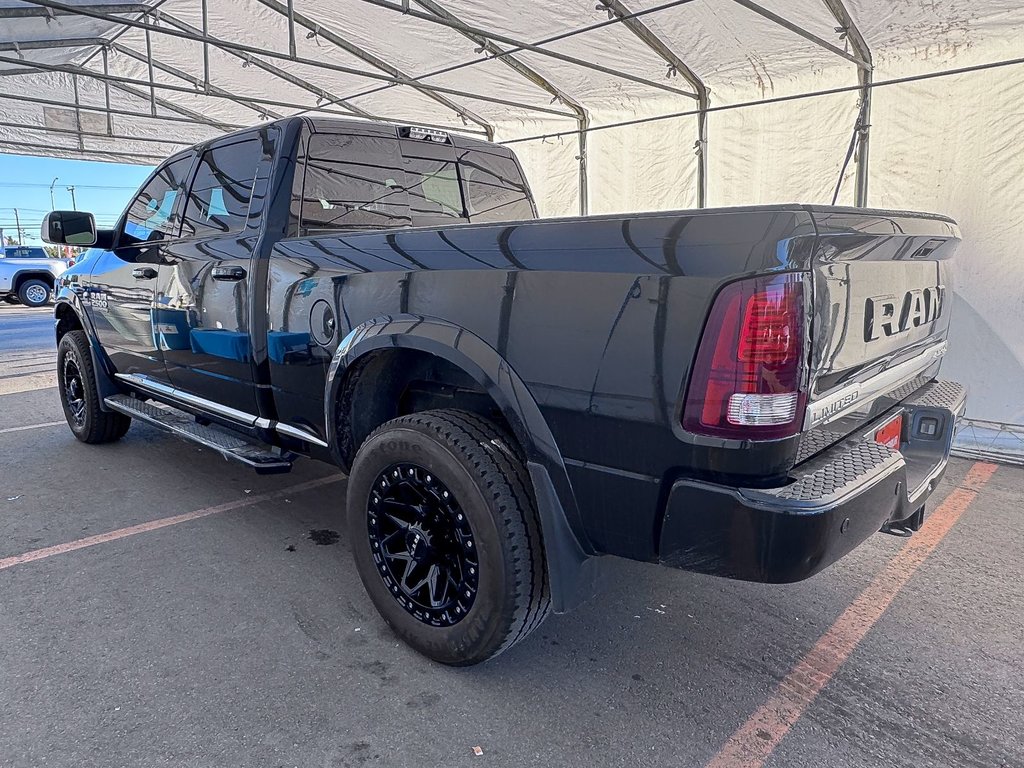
(747, 380)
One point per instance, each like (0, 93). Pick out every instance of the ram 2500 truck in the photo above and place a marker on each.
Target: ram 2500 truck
(745, 392)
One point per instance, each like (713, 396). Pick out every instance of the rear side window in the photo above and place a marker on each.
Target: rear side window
(153, 214)
(218, 202)
(353, 182)
(495, 188)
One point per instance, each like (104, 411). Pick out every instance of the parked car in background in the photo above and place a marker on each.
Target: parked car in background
(27, 274)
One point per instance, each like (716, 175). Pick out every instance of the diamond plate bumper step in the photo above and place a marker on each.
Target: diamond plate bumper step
(256, 456)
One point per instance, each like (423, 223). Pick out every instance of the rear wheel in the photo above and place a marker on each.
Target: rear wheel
(76, 381)
(34, 293)
(446, 537)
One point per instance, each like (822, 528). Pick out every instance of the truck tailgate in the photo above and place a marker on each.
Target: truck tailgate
(881, 305)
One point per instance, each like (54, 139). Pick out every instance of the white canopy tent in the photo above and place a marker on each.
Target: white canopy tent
(611, 105)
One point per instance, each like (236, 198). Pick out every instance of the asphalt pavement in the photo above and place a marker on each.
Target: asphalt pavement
(162, 607)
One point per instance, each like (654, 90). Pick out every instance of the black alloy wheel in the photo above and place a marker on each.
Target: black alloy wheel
(74, 391)
(423, 545)
(79, 395)
(446, 536)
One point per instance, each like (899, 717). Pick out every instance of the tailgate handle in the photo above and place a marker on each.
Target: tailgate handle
(143, 273)
(228, 273)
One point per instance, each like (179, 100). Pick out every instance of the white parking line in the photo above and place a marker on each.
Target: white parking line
(32, 426)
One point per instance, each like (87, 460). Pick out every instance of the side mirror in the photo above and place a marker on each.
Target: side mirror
(69, 228)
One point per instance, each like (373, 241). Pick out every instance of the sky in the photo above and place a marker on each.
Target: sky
(103, 189)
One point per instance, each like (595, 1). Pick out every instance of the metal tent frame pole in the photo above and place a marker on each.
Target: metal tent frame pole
(676, 64)
(798, 30)
(514, 49)
(124, 83)
(865, 76)
(47, 150)
(196, 81)
(375, 61)
(80, 134)
(168, 105)
(38, 45)
(505, 39)
(266, 66)
(542, 82)
(28, 11)
(329, 66)
(391, 75)
(111, 111)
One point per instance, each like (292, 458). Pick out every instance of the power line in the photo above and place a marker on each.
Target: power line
(20, 184)
(775, 100)
(23, 209)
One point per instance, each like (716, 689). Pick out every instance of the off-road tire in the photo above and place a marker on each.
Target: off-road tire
(90, 424)
(480, 465)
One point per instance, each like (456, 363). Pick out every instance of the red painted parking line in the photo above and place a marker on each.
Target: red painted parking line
(32, 426)
(755, 740)
(164, 522)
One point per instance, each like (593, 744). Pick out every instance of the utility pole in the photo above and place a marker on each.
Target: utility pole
(71, 189)
(17, 226)
(52, 206)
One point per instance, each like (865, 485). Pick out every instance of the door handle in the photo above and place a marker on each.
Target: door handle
(228, 273)
(143, 273)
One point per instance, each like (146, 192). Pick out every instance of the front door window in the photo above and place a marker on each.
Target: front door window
(153, 215)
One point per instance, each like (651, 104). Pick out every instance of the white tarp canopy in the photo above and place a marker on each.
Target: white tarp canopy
(611, 105)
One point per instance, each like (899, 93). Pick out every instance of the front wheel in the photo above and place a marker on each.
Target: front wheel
(76, 381)
(34, 293)
(446, 537)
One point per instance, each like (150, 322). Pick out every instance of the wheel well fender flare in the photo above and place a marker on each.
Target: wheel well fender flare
(31, 274)
(571, 570)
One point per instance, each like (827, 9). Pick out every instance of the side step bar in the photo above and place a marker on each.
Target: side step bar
(255, 456)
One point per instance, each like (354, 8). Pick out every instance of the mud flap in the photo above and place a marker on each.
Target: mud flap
(573, 575)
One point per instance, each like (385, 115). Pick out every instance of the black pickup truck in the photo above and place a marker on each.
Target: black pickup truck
(745, 392)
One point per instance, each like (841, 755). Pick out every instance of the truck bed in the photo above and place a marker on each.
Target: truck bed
(601, 317)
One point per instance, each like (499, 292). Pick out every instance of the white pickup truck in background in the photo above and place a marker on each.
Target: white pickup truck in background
(27, 274)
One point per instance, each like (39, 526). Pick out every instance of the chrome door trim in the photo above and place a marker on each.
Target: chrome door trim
(297, 432)
(144, 382)
(248, 419)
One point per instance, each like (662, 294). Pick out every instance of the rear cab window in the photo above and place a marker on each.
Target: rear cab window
(366, 182)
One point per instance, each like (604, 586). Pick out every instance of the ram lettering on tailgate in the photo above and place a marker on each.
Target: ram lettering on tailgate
(892, 314)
